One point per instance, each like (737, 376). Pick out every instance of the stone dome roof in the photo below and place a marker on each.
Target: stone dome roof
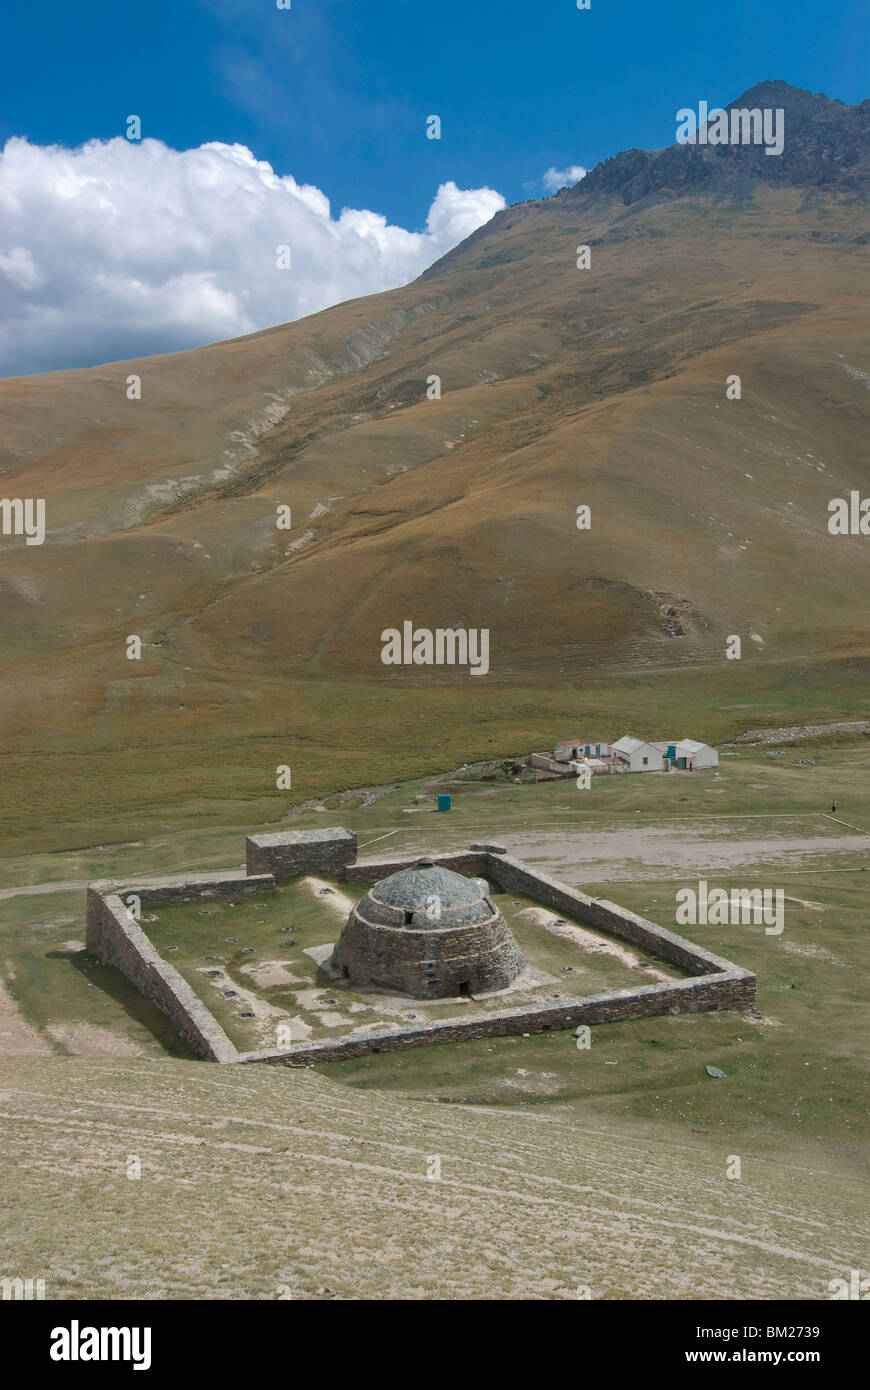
(427, 932)
(405, 898)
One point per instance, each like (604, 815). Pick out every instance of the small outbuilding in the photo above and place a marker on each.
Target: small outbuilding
(687, 755)
(640, 756)
(569, 750)
(697, 755)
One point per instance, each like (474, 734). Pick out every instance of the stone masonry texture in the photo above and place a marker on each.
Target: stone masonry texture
(290, 853)
(116, 938)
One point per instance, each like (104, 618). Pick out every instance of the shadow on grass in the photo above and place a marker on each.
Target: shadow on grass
(138, 1008)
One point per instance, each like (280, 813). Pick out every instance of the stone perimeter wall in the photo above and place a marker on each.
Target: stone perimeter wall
(718, 984)
(515, 877)
(370, 871)
(707, 992)
(114, 936)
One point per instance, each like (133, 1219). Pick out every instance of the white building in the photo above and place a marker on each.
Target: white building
(687, 755)
(568, 750)
(697, 754)
(634, 755)
(640, 756)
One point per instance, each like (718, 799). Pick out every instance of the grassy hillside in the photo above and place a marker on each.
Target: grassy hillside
(565, 1173)
(561, 387)
(258, 1182)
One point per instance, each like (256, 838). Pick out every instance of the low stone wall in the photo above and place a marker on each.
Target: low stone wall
(571, 769)
(734, 991)
(545, 764)
(371, 870)
(117, 939)
(188, 888)
(290, 853)
(515, 877)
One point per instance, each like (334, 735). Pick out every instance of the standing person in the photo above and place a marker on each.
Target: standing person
(833, 808)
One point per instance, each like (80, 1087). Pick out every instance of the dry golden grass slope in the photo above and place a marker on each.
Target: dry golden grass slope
(560, 387)
(257, 1182)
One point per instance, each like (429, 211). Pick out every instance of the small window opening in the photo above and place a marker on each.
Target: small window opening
(409, 917)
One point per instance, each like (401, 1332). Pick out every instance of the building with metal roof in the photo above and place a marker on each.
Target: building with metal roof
(640, 756)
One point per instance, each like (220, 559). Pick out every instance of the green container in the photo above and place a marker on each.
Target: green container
(443, 801)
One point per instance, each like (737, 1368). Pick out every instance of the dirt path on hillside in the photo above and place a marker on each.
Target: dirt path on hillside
(678, 849)
(68, 886)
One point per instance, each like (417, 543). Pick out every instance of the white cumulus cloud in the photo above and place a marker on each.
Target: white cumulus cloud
(562, 178)
(120, 249)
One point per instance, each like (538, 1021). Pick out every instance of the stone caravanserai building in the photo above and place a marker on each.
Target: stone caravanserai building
(426, 929)
(430, 933)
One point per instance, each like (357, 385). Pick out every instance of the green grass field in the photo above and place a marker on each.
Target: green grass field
(795, 1078)
(252, 963)
(635, 1119)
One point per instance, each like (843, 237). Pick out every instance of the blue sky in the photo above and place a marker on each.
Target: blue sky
(335, 92)
(261, 125)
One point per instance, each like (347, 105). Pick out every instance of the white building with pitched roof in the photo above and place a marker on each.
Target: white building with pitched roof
(687, 754)
(640, 756)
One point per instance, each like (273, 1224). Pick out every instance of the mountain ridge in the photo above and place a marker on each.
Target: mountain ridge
(827, 147)
(559, 386)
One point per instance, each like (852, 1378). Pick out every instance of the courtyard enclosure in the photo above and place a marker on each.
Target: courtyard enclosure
(116, 938)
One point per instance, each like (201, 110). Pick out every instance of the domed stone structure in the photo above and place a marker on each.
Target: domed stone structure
(430, 933)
